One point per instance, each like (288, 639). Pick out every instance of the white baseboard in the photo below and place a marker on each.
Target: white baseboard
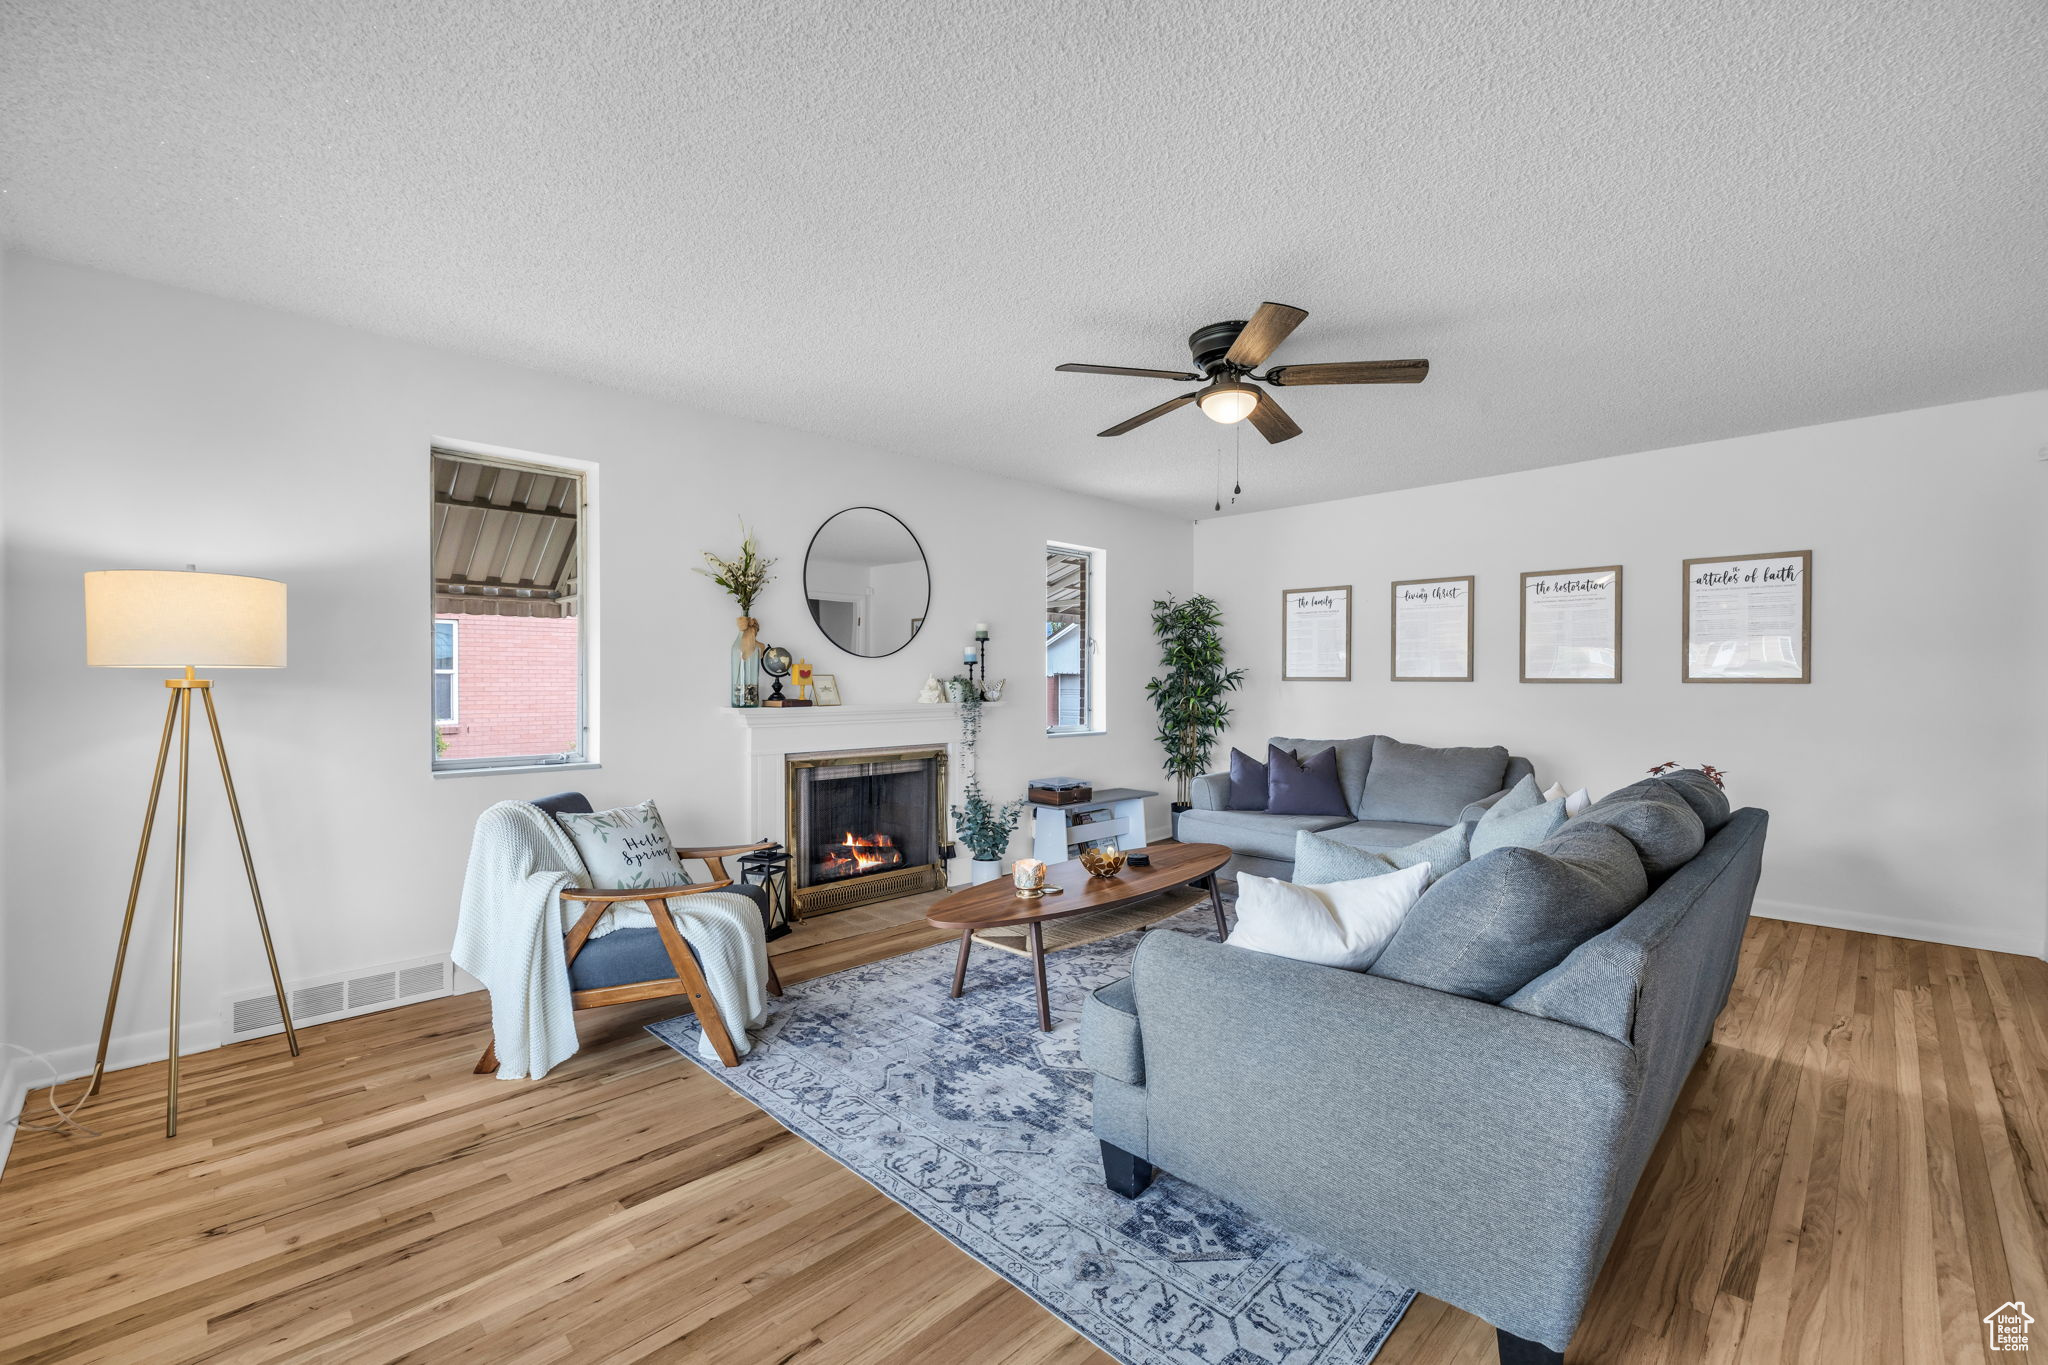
(1898, 926)
(20, 1078)
(13, 1093)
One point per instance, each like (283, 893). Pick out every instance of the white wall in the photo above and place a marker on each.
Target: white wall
(154, 427)
(1907, 785)
(11, 1076)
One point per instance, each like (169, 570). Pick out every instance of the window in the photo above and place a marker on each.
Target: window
(444, 672)
(1073, 652)
(508, 662)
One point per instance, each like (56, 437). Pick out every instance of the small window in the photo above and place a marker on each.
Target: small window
(508, 665)
(1073, 647)
(444, 672)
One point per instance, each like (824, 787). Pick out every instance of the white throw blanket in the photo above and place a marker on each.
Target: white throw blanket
(509, 936)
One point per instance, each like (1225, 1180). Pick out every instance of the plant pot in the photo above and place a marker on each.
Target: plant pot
(986, 870)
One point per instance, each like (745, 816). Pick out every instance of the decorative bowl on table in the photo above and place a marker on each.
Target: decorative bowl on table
(1103, 862)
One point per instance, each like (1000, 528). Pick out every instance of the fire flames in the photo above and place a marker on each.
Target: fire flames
(852, 854)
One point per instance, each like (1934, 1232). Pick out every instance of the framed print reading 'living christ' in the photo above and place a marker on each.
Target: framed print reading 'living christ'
(1315, 634)
(1433, 630)
(1749, 618)
(1571, 625)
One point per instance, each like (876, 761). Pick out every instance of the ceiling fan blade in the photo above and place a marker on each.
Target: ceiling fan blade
(1272, 421)
(1168, 406)
(1351, 372)
(1125, 369)
(1263, 334)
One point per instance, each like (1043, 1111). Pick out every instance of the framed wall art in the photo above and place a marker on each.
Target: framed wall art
(1315, 634)
(1571, 625)
(1749, 618)
(1432, 630)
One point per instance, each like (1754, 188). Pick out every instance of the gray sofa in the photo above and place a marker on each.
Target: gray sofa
(1417, 792)
(1480, 1152)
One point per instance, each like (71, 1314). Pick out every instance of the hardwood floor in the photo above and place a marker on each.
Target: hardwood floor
(1857, 1171)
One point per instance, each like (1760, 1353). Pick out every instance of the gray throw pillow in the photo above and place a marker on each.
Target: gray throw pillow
(1517, 823)
(1707, 800)
(1445, 852)
(1320, 860)
(1501, 921)
(1420, 785)
(1657, 820)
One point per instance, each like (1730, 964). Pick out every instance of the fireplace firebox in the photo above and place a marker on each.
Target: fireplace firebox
(865, 825)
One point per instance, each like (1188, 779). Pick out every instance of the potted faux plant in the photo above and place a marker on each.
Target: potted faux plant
(743, 576)
(1190, 697)
(986, 829)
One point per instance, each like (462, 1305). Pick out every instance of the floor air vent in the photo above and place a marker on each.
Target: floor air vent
(253, 1013)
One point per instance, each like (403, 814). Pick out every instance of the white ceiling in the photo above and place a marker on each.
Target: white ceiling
(1610, 227)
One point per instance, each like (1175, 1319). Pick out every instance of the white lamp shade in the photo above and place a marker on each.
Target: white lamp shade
(149, 618)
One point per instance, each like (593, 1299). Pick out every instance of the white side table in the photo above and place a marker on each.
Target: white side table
(1053, 833)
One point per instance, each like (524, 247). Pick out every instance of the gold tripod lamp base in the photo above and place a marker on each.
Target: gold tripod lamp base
(133, 618)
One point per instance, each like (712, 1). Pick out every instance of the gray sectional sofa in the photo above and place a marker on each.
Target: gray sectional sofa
(1473, 1142)
(1398, 794)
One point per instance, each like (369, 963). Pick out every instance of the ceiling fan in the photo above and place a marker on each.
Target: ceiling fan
(1227, 353)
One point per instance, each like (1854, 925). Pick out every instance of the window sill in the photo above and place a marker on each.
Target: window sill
(585, 766)
(1075, 734)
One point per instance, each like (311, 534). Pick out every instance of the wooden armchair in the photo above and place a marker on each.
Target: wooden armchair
(643, 964)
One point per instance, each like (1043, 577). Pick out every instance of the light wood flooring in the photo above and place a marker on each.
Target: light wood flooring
(1857, 1171)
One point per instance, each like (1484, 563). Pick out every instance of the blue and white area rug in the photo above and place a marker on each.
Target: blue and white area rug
(968, 1116)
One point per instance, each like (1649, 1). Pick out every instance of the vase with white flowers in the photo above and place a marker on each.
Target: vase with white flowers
(743, 576)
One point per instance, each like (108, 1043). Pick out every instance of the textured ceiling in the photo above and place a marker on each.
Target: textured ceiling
(1610, 227)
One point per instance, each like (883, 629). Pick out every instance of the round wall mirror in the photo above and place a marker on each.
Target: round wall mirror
(867, 582)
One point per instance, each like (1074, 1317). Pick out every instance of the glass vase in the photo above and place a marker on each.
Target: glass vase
(746, 664)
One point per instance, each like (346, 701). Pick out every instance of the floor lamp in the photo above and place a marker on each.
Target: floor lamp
(167, 620)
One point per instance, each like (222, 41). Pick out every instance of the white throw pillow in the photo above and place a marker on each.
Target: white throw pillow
(1337, 924)
(1553, 791)
(1576, 803)
(625, 848)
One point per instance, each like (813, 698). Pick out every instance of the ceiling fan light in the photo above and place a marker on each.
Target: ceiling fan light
(1228, 402)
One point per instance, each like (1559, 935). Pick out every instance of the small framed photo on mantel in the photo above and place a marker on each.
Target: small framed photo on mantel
(1571, 626)
(1433, 630)
(1749, 618)
(1315, 634)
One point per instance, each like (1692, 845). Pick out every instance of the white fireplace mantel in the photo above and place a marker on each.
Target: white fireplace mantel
(775, 732)
(826, 717)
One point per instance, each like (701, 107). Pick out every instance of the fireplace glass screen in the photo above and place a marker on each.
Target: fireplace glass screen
(857, 819)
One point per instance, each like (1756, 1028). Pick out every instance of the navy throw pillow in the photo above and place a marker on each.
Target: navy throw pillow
(1247, 782)
(1303, 786)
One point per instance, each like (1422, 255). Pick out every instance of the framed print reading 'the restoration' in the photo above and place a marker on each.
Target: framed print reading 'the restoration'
(1571, 625)
(1748, 618)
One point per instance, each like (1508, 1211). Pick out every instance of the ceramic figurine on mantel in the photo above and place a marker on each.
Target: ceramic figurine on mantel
(743, 576)
(934, 692)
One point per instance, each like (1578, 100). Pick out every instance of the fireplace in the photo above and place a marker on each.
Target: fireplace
(865, 825)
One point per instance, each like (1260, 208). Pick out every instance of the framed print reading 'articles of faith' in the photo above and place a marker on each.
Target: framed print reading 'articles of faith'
(1749, 618)
(1571, 626)
(1433, 630)
(1315, 634)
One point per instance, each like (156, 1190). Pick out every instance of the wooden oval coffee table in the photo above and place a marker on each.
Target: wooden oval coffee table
(996, 905)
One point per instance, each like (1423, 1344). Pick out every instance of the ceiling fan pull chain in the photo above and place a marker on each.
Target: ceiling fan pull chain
(1237, 488)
